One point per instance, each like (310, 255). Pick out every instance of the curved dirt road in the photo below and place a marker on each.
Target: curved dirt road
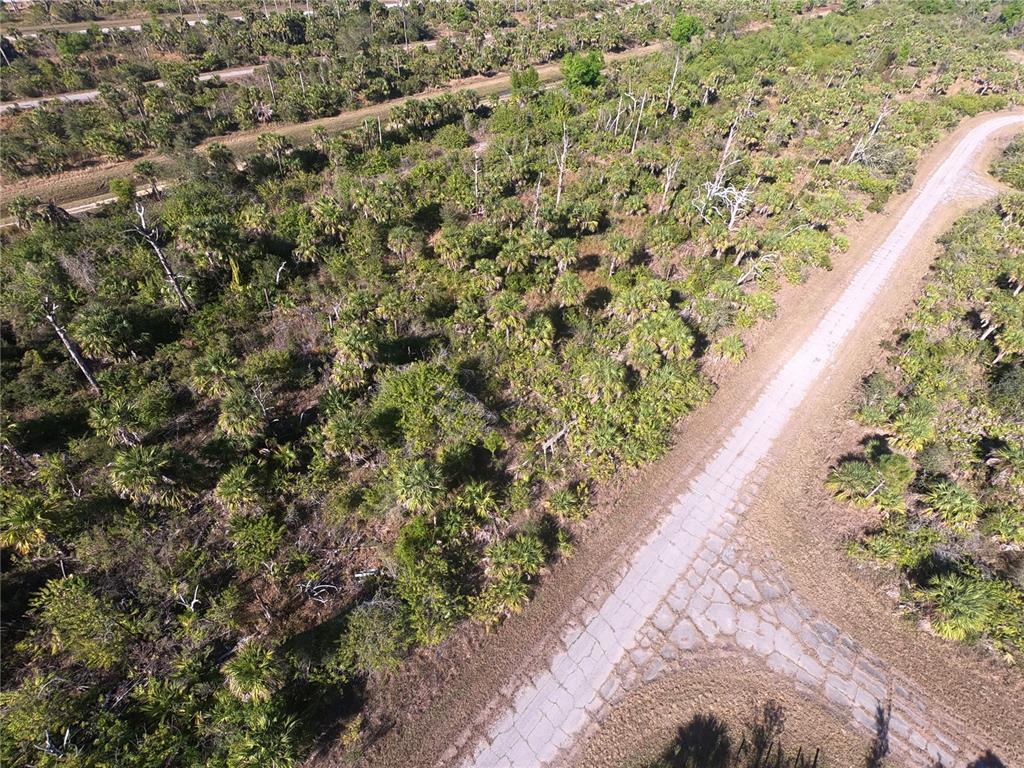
(707, 582)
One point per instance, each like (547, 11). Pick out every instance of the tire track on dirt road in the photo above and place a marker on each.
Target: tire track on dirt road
(691, 585)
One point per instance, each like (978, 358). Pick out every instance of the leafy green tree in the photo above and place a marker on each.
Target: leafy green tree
(684, 28)
(525, 83)
(582, 70)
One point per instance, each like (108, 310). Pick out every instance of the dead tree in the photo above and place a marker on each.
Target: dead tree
(672, 83)
(670, 174)
(861, 147)
(50, 315)
(152, 236)
(640, 117)
(560, 160)
(719, 195)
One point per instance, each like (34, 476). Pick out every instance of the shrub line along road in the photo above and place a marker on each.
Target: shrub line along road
(233, 73)
(86, 189)
(695, 583)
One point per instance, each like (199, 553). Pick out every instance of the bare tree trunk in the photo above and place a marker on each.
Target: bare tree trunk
(50, 313)
(150, 237)
(639, 118)
(563, 155)
(270, 81)
(618, 114)
(536, 199)
(862, 145)
(672, 84)
(476, 183)
(670, 173)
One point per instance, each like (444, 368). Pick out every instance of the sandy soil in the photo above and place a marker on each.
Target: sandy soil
(417, 714)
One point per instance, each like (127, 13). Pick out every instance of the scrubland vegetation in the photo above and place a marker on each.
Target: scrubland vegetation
(272, 428)
(945, 462)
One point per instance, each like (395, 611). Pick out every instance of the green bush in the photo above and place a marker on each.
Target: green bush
(968, 606)
(880, 479)
(582, 70)
(956, 506)
(376, 638)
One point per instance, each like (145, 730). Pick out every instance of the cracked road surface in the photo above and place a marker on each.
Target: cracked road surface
(689, 585)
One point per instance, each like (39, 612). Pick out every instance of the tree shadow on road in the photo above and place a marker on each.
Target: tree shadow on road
(706, 741)
(880, 744)
(988, 760)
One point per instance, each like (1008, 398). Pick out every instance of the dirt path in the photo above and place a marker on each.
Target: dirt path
(79, 187)
(88, 188)
(227, 75)
(730, 569)
(107, 26)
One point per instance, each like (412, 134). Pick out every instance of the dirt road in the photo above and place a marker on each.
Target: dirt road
(234, 73)
(79, 187)
(107, 26)
(714, 554)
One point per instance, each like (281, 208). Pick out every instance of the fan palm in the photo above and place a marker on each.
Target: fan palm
(253, 673)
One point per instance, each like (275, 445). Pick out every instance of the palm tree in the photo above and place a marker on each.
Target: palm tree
(403, 241)
(417, 485)
(958, 507)
(241, 414)
(137, 473)
(253, 674)
(565, 252)
(22, 523)
(329, 215)
(275, 146)
(214, 373)
(965, 607)
(1007, 462)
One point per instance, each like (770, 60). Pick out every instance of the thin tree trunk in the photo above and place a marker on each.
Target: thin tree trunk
(672, 85)
(561, 163)
(670, 174)
(70, 345)
(149, 237)
(639, 118)
(536, 199)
